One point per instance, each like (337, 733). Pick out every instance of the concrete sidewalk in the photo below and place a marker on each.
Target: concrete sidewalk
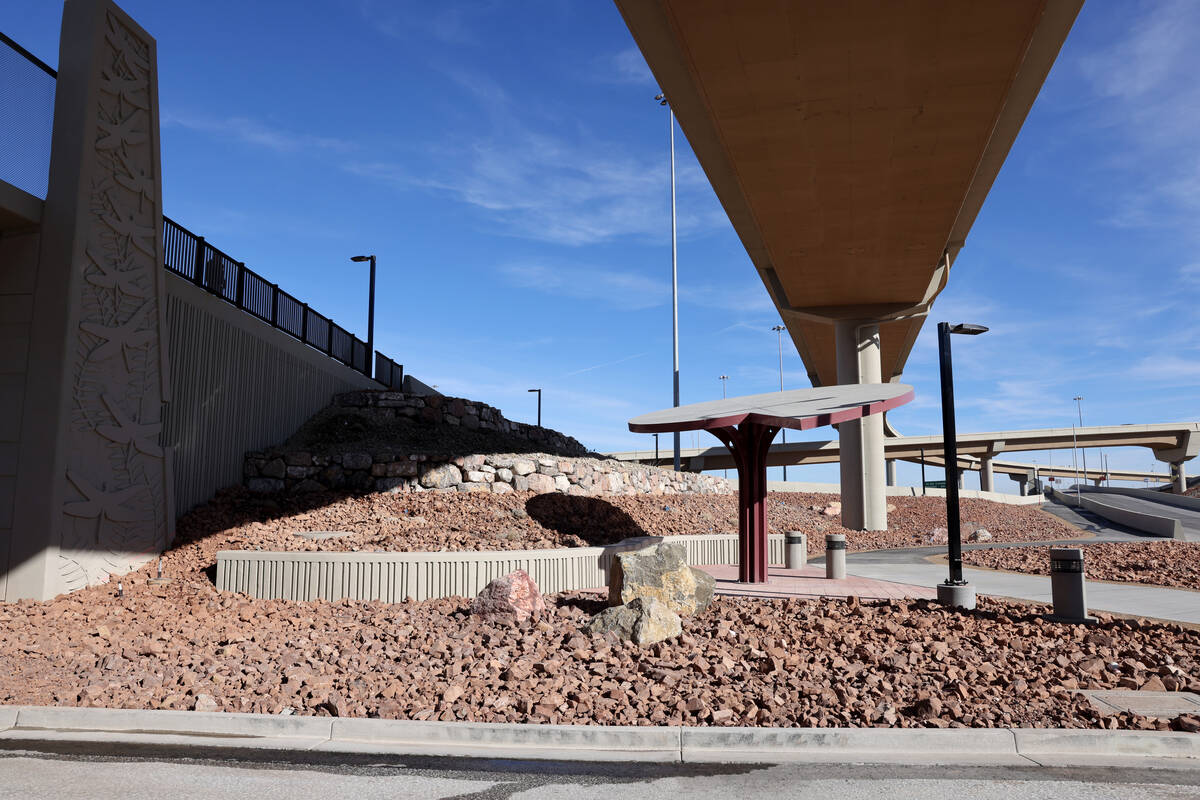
(911, 566)
(200, 734)
(810, 581)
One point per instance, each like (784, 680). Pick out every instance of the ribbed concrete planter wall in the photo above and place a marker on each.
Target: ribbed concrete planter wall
(392, 577)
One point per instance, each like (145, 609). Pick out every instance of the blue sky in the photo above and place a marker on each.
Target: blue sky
(507, 163)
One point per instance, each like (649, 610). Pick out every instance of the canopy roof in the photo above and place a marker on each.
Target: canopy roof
(799, 409)
(851, 142)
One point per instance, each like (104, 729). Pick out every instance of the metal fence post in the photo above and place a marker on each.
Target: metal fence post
(329, 337)
(275, 305)
(241, 280)
(198, 266)
(304, 322)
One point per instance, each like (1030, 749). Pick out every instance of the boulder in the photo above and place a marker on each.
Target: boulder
(441, 477)
(513, 595)
(660, 572)
(643, 621)
(939, 536)
(980, 535)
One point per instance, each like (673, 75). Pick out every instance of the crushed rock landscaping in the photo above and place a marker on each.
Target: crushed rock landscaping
(1158, 563)
(436, 521)
(741, 662)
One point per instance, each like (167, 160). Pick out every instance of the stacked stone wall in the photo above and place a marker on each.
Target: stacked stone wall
(567, 469)
(300, 472)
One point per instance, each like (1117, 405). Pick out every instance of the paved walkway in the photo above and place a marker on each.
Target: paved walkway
(911, 566)
(811, 582)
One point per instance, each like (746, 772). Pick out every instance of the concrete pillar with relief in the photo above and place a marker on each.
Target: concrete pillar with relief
(891, 471)
(1180, 477)
(92, 481)
(864, 504)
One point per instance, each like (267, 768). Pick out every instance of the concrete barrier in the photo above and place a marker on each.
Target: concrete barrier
(1155, 525)
(391, 577)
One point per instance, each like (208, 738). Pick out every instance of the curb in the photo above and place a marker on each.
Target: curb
(34, 727)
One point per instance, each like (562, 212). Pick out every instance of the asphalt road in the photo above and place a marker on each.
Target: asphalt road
(1189, 519)
(29, 776)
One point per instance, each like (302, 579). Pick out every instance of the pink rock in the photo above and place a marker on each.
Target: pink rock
(515, 595)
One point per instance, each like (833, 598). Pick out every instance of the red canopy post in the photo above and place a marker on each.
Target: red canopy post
(749, 444)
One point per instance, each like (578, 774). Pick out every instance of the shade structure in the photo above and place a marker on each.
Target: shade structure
(746, 425)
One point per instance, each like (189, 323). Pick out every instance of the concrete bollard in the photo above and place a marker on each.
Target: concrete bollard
(835, 556)
(795, 550)
(1068, 586)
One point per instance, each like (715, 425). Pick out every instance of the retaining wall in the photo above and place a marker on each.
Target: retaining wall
(1148, 523)
(393, 577)
(240, 385)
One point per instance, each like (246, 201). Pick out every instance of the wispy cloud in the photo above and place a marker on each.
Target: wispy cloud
(605, 364)
(628, 66)
(1151, 98)
(626, 290)
(256, 133)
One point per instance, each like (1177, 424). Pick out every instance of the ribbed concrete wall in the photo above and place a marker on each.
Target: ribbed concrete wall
(392, 577)
(237, 385)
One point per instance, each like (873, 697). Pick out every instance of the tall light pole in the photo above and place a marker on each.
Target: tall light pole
(662, 101)
(722, 379)
(1083, 450)
(955, 591)
(370, 316)
(779, 329)
(539, 394)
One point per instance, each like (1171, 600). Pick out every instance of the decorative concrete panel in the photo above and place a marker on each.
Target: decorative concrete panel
(392, 577)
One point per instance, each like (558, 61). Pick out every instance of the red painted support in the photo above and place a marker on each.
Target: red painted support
(749, 444)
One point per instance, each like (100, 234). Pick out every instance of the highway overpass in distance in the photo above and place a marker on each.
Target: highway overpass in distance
(1172, 443)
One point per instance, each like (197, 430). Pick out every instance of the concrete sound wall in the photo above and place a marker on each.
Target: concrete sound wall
(240, 385)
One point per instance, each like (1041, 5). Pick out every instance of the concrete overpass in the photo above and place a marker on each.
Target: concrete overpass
(1173, 443)
(852, 146)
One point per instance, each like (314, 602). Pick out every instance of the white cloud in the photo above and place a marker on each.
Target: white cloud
(628, 66)
(256, 133)
(626, 290)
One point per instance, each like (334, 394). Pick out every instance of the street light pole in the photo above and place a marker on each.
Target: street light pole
(1082, 450)
(779, 329)
(662, 101)
(955, 591)
(370, 316)
(539, 394)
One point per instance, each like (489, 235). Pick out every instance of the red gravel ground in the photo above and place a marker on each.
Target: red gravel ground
(1162, 563)
(237, 520)
(742, 662)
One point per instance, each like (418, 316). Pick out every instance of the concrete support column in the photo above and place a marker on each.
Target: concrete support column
(1022, 485)
(891, 471)
(1180, 477)
(864, 505)
(986, 483)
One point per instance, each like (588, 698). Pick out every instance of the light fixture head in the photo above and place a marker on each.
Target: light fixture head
(535, 390)
(661, 98)
(779, 328)
(361, 258)
(968, 328)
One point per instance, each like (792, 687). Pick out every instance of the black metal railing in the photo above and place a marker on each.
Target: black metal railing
(193, 258)
(388, 372)
(26, 118)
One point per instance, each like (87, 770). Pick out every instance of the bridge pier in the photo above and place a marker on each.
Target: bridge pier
(986, 479)
(1180, 477)
(890, 467)
(864, 505)
(1022, 484)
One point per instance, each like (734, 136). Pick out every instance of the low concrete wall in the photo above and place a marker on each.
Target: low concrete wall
(904, 491)
(392, 577)
(1147, 523)
(239, 385)
(1166, 498)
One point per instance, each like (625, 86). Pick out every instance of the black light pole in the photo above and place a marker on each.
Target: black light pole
(539, 394)
(779, 329)
(955, 590)
(922, 472)
(370, 316)
(656, 450)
